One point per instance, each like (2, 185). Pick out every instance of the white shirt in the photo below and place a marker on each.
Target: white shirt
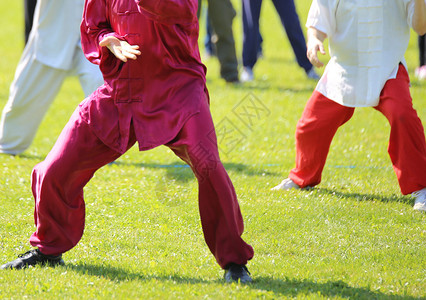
(367, 41)
(56, 31)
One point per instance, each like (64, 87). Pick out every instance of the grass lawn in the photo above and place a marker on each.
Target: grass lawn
(352, 237)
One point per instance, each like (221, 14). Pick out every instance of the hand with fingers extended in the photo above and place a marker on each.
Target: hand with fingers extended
(121, 49)
(315, 45)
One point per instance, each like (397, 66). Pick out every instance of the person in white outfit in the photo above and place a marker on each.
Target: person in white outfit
(367, 41)
(52, 53)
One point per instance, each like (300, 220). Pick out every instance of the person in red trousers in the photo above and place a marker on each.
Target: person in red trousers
(154, 94)
(367, 42)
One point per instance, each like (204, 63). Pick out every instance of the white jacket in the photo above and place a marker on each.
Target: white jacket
(367, 41)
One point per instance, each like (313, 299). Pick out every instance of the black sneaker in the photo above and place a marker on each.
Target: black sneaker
(32, 258)
(237, 273)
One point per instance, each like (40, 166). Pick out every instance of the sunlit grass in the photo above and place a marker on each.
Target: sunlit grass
(354, 236)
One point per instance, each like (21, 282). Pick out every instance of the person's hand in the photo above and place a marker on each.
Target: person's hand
(313, 47)
(121, 49)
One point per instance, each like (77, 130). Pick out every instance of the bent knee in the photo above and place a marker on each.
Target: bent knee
(206, 168)
(403, 115)
(48, 171)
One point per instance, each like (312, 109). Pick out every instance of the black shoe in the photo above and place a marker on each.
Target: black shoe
(32, 258)
(237, 273)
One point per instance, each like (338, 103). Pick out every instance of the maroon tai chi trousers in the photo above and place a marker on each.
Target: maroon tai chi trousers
(58, 182)
(322, 117)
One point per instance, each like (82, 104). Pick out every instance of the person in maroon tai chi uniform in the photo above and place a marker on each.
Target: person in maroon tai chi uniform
(155, 93)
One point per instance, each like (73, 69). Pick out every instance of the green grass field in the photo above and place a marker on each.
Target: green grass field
(353, 237)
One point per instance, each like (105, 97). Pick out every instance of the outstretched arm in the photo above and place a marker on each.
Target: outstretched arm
(419, 17)
(315, 43)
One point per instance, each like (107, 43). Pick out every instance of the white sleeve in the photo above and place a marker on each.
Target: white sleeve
(322, 17)
(410, 12)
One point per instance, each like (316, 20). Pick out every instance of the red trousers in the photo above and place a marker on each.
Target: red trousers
(58, 182)
(322, 117)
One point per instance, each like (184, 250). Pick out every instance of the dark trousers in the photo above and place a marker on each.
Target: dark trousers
(422, 49)
(290, 20)
(221, 14)
(29, 7)
(208, 40)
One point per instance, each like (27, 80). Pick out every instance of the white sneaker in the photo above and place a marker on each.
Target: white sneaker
(247, 74)
(311, 74)
(286, 184)
(420, 203)
(420, 72)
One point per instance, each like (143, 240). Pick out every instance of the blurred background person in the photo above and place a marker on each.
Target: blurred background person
(209, 49)
(221, 14)
(52, 53)
(252, 38)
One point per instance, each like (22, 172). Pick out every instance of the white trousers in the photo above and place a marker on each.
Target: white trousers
(33, 89)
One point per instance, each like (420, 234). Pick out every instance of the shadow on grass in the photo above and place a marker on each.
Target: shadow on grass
(118, 274)
(364, 197)
(266, 85)
(182, 172)
(296, 287)
(280, 287)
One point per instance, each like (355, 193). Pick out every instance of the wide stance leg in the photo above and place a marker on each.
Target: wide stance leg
(219, 209)
(407, 146)
(31, 93)
(314, 133)
(57, 185)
